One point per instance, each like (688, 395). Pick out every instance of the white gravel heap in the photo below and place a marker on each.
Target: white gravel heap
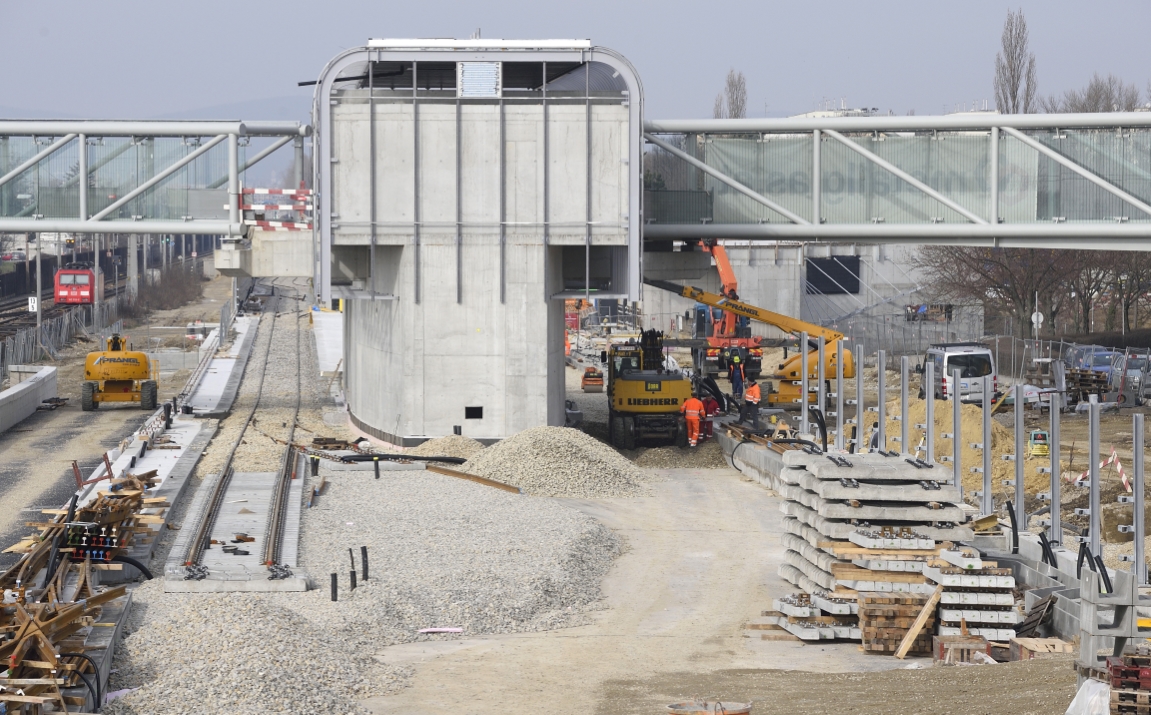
(235, 654)
(453, 445)
(445, 552)
(559, 462)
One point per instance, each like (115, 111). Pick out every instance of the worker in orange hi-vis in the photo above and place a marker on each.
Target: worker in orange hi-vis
(692, 409)
(751, 404)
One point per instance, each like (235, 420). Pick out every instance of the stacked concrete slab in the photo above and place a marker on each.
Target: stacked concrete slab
(831, 497)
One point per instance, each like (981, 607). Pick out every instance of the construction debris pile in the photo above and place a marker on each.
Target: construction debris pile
(559, 462)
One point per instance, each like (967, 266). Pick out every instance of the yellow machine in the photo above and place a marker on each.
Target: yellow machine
(644, 398)
(118, 374)
(785, 386)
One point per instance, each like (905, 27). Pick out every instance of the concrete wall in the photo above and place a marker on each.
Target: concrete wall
(454, 280)
(20, 401)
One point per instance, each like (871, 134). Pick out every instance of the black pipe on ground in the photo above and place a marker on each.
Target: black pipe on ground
(398, 457)
(133, 562)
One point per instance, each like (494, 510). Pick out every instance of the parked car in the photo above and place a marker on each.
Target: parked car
(973, 360)
(1131, 375)
(1101, 361)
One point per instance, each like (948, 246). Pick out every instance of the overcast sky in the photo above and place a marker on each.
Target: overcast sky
(241, 60)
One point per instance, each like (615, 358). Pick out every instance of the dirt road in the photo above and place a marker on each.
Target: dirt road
(700, 563)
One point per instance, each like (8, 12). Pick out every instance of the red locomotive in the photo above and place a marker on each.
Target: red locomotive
(75, 284)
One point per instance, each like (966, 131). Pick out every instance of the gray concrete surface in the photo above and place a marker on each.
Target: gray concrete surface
(23, 398)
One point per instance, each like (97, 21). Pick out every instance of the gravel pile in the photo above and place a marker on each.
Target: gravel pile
(237, 654)
(559, 462)
(453, 445)
(445, 552)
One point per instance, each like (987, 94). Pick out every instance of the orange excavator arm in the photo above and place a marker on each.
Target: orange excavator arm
(726, 325)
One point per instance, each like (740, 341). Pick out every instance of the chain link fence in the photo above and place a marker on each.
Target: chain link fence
(95, 321)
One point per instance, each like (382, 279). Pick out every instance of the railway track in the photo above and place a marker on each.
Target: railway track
(251, 431)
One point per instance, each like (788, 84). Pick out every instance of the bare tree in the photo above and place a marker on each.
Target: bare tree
(1102, 94)
(1015, 80)
(731, 103)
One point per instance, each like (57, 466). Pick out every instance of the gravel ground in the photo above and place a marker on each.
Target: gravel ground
(442, 552)
(559, 462)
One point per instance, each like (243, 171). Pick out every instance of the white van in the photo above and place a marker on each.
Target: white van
(973, 360)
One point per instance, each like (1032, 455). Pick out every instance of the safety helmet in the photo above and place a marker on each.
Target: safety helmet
(735, 358)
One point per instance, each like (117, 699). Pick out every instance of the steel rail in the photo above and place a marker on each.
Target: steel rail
(208, 521)
(278, 508)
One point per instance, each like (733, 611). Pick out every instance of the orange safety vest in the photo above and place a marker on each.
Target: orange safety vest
(693, 408)
(752, 394)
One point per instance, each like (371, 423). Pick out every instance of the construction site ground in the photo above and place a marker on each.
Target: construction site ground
(699, 566)
(36, 469)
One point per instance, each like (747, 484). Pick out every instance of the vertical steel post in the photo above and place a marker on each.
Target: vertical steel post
(816, 179)
(1020, 512)
(929, 419)
(416, 178)
(820, 376)
(988, 504)
(880, 364)
(1095, 518)
(1137, 527)
(993, 219)
(40, 297)
(956, 433)
(802, 383)
(1055, 530)
(233, 179)
(372, 175)
(82, 184)
(459, 204)
(904, 422)
(298, 166)
(860, 408)
(840, 423)
(503, 204)
(588, 187)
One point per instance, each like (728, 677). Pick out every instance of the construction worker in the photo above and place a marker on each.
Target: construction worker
(692, 409)
(735, 374)
(751, 404)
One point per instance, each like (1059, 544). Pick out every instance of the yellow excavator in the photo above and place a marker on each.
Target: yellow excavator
(644, 398)
(118, 374)
(785, 385)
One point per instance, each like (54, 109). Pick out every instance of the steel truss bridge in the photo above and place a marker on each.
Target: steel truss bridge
(983, 179)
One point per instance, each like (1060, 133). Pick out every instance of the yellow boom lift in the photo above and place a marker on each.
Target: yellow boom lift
(118, 374)
(785, 385)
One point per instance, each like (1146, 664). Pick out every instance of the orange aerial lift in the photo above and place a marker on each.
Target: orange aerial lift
(727, 334)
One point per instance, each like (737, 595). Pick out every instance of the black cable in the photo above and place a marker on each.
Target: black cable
(1084, 554)
(95, 670)
(1048, 553)
(133, 562)
(742, 442)
(394, 457)
(1014, 528)
(1104, 574)
(821, 423)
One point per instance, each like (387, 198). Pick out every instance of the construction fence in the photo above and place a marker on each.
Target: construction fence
(94, 321)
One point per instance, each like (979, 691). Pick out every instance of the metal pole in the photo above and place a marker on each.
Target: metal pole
(929, 421)
(860, 407)
(83, 174)
(803, 383)
(1093, 464)
(840, 423)
(994, 171)
(233, 175)
(820, 376)
(39, 297)
(1140, 569)
(816, 177)
(1020, 512)
(904, 423)
(882, 408)
(956, 433)
(1055, 530)
(988, 504)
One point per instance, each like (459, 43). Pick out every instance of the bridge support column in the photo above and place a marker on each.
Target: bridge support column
(133, 266)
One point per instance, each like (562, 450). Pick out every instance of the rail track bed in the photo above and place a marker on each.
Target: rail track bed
(242, 527)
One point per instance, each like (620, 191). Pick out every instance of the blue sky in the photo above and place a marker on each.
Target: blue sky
(211, 58)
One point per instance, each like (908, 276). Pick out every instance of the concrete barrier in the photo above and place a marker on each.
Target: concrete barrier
(18, 402)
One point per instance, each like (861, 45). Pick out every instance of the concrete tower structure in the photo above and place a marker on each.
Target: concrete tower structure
(465, 189)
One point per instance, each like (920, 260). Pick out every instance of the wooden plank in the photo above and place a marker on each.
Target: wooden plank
(928, 610)
(471, 478)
